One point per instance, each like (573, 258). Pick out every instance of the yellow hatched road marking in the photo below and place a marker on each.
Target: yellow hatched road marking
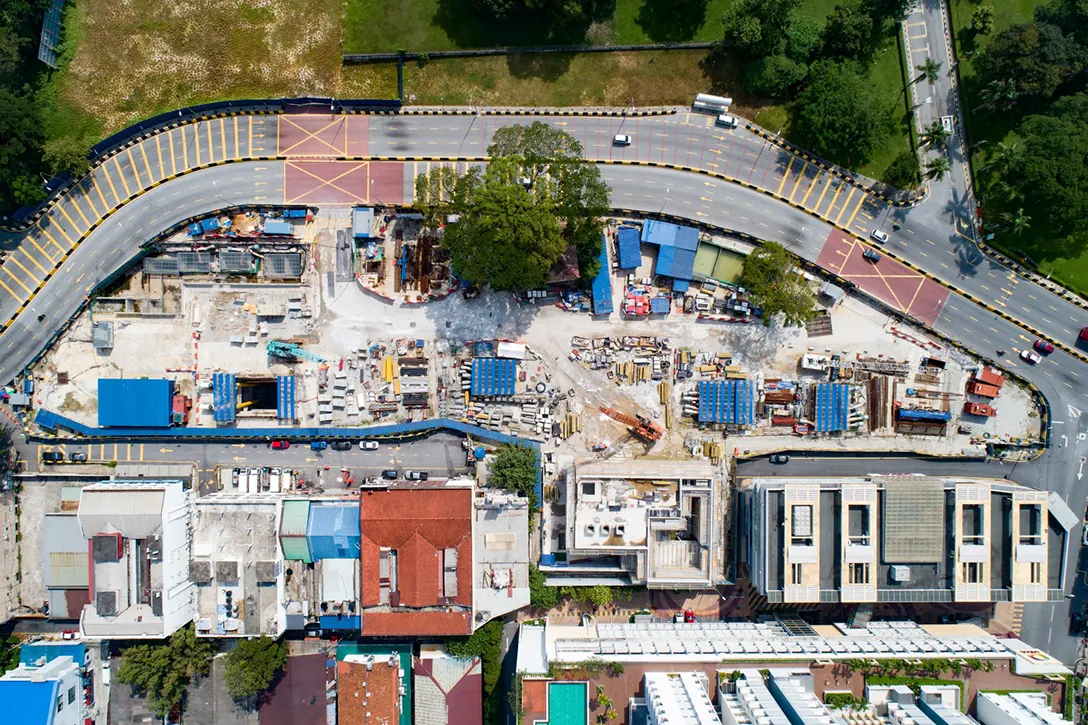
(27, 255)
(816, 208)
(797, 183)
(64, 233)
(9, 289)
(90, 201)
(236, 154)
(250, 144)
(211, 144)
(79, 211)
(132, 163)
(120, 173)
(785, 175)
(29, 274)
(39, 248)
(17, 281)
(46, 233)
(150, 176)
(845, 204)
(101, 196)
(223, 135)
(158, 148)
(834, 199)
(173, 161)
(70, 219)
(196, 138)
(141, 451)
(115, 451)
(857, 208)
(815, 181)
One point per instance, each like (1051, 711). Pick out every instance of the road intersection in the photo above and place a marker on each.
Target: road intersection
(679, 164)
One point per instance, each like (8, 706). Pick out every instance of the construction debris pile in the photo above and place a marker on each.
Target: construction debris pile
(627, 360)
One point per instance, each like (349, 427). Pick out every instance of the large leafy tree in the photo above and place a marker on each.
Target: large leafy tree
(775, 286)
(838, 113)
(774, 75)
(888, 9)
(756, 27)
(253, 665)
(1071, 16)
(1031, 60)
(538, 144)
(1053, 173)
(162, 672)
(802, 38)
(515, 468)
(848, 32)
(904, 172)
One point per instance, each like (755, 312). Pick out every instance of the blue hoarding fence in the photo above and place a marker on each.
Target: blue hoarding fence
(912, 414)
(727, 401)
(602, 284)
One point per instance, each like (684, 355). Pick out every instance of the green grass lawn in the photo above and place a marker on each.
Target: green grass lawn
(985, 131)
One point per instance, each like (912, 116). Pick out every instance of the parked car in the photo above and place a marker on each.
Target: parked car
(872, 255)
(1030, 357)
(416, 475)
(390, 475)
(70, 634)
(1044, 347)
(471, 292)
(689, 616)
(78, 457)
(728, 121)
(52, 457)
(368, 445)
(780, 458)
(341, 445)
(280, 445)
(318, 445)
(621, 139)
(879, 236)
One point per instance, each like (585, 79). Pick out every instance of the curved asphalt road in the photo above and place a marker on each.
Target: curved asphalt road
(753, 179)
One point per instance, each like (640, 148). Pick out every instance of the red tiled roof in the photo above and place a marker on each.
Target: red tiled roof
(367, 697)
(421, 624)
(419, 524)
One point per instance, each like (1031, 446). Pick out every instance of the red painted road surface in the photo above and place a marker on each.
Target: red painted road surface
(343, 182)
(322, 136)
(888, 280)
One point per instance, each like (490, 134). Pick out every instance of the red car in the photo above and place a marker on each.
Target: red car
(281, 445)
(689, 616)
(1044, 347)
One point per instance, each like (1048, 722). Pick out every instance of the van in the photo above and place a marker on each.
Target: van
(728, 121)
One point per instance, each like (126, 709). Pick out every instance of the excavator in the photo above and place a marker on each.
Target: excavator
(638, 425)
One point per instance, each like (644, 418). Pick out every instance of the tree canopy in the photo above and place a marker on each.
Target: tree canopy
(756, 27)
(847, 33)
(541, 596)
(253, 665)
(769, 276)
(1053, 173)
(162, 672)
(904, 172)
(1032, 59)
(515, 468)
(838, 113)
(774, 75)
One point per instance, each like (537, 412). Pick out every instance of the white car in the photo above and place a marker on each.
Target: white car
(1030, 356)
(621, 139)
(879, 236)
(728, 121)
(368, 445)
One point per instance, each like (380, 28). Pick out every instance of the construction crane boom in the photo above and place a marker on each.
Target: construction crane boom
(639, 425)
(280, 348)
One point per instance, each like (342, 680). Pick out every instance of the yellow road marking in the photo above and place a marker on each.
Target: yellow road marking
(61, 230)
(39, 248)
(117, 164)
(158, 149)
(845, 204)
(223, 135)
(70, 219)
(90, 201)
(833, 198)
(797, 183)
(784, 175)
(79, 211)
(19, 264)
(135, 171)
(236, 154)
(115, 451)
(101, 196)
(250, 144)
(17, 281)
(27, 255)
(141, 451)
(196, 138)
(173, 161)
(46, 233)
(861, 201)
(10, 291)
(815, 181)
(150, 176)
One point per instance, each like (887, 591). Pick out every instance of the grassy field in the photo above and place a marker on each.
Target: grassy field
(985, 131)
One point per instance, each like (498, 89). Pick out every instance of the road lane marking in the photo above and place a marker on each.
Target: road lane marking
(223, 135)
(113, 188)
(147, 164)
(196, 139)
(800, 175)
(857, 208)
(70, 219)
(55, 243)
(79, 210)
(158, 148)
(17, 281)
(815, 180)
(845, 204)
(815, 209)
(120, 173)
(785, 174)
(211, 144)
(60, 229)
(37, 246)
(17, 263)
(27, 255)
(135, 172)
(236, 154)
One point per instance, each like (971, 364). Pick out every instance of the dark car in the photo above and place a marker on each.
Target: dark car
(390, 475)
(780, 458)
(872, 255)
(52, 457)
(341, 445)
(1044, 347)
(77, 457)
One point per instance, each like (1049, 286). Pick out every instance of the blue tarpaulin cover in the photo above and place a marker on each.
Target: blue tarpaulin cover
(727, 401)
(224, 397)
(341, 621)
(660, 305)
(134, 403)
(602, 285)
(909, 414)
(493, 376)
(295, 213)
(832, 403)
(210, 225)
(630, 248)
(278, 228)
(285, 397)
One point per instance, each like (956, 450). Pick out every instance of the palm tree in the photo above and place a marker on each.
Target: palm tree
(998, 95)
(937, 167)
(1007, 157)
(930, 70)
(935, 134)
(1018, 222)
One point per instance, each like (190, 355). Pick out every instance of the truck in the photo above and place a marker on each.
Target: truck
(254, 480)
(274, 480)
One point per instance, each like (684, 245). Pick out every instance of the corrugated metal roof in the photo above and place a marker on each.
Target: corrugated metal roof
(602, 285)
(332, 531)
(630, 249)
(493, 376)
(362, 222)
(660, 305)
(295, 548)
(67, 569)
(285, 397)
(727, 401)
(134, 403)
(295, 515)
(136, 514)
(224, 397)
(832, 401)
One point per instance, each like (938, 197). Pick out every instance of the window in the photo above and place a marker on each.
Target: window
(71, 695)
(60, 703)
(1036, 572)
(797, 573)
(972, 572)
(859, 573)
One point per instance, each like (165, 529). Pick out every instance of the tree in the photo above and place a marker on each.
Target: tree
(882, 10)
(904, 172)
(1070, 16)
(802, 38)
(935, 134)
(982, 20)
(253, 665)
(485, 643)
(775, 286)
(1018, 222)
(937, 167)
(930, 70)
(596, 596)
(1007, 158)
(441, 191)
(1053, 175)
(67, 154)
(541, 596)
(847, 32)
(161, 672)
(1034, 58)
(9, 653)
(515, 468)
(756, 27)
(838, 114)
(998, 95)
(774, 75)
(539, 145)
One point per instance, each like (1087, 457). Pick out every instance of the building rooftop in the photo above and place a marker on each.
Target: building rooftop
(448, 690)
(34, 695)
(500, 529)
(367, 690)
(134, 403)
(416, 561)
(1022, 708)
